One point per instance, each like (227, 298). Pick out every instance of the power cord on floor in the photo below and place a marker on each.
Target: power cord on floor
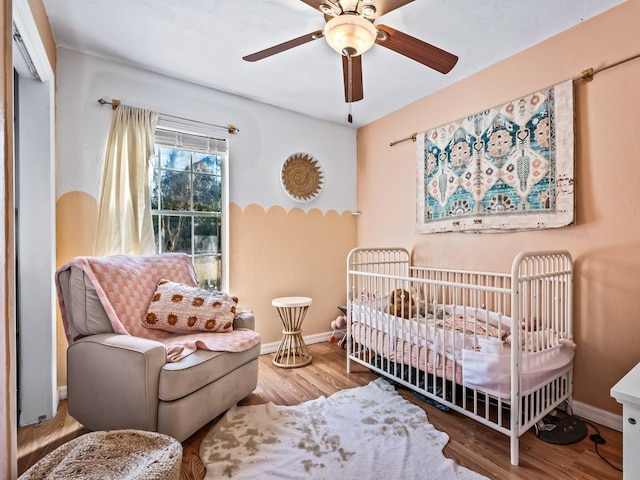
(598, 439)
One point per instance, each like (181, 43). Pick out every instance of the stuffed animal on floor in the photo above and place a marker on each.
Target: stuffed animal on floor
(338, 326)
(401, 304)
(339, 323)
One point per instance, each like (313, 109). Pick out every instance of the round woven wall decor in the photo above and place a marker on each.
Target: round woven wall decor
(302, 177)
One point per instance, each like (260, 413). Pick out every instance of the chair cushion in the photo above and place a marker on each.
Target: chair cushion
(181, 378)
(87, 312)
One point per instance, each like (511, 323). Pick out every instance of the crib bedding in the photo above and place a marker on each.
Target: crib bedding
(448, 331)
(474, 351)
(417, 356)
(466, 327)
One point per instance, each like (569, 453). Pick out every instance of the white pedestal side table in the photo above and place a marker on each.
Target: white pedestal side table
(292, 351)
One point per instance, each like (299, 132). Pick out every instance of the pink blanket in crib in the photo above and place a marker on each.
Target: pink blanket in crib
(125, 285)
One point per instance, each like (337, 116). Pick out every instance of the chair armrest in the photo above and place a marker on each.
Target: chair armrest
(112, 381)
(244, 320)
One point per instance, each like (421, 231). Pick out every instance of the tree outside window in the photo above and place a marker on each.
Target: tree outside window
(186, 202)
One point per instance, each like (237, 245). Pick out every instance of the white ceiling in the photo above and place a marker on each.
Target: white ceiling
(203, 41)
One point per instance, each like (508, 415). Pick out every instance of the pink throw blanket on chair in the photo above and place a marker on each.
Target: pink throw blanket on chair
(125, 284)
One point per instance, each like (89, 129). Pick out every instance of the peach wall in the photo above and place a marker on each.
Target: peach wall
(605, 239)
(76, 226)
(279, 253)
(274, 253)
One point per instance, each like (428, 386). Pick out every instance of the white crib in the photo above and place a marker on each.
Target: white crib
(497, 347)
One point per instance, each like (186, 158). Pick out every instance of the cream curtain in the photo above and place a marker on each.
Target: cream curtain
(124, 213)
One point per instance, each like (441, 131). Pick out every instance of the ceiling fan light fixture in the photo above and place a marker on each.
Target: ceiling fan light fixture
(327, 9)
(382, 36)
(368, 11)
(351, 33)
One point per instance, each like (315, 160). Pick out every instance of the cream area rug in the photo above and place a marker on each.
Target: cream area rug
(366, 432)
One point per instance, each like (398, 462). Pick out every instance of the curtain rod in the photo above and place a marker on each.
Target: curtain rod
(412, 137)
(115, 103)
(585, 76)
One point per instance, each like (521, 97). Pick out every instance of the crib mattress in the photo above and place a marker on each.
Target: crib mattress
(456, 356)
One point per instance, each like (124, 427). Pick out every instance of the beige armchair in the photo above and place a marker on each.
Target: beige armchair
(117, 381)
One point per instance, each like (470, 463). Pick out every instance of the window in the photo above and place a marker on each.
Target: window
(188, 199)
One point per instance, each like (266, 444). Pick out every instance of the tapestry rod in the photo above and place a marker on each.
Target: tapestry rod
(115, 103)
(585, 75)
(411, 137)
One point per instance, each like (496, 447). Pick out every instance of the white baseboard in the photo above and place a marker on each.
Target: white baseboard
(311, 339)
(597, 415)
(62, 392)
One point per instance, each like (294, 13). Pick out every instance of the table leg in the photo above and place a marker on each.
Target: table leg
(292, 351)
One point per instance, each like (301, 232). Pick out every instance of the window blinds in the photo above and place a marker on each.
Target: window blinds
(186, 135)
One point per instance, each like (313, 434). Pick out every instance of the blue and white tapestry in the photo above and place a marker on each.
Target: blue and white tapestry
(509, 167)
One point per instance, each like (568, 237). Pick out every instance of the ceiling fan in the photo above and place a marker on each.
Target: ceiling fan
(350, 31)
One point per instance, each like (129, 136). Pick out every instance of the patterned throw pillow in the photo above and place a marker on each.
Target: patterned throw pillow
(176, 307)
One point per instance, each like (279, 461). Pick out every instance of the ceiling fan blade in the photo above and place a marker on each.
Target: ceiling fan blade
(386, 6)
(315, 3)
(422, 52)
(284, 46)
(353, 91)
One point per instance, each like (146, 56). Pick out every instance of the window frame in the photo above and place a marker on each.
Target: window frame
(191, 136)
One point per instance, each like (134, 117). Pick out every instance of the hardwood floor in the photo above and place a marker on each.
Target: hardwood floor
(471, 444)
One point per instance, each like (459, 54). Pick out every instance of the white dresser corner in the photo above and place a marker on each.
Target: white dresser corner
(627, 392)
